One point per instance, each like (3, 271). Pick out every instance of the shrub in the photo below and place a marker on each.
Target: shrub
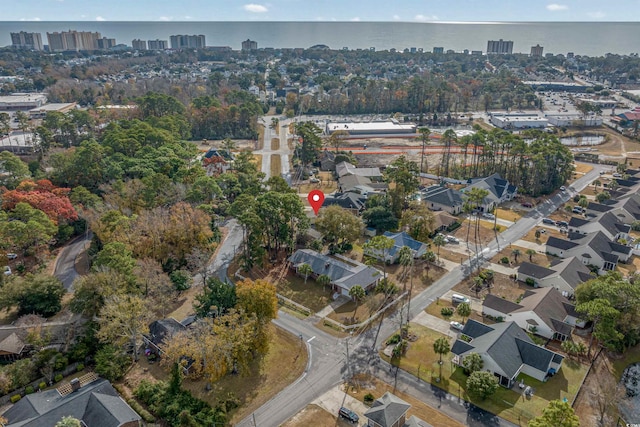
(504, 260)
(146, 415)
(42, 385)
(394, 339)
(446, 312)
(497, 228)
(29, 390)
(15, 398)
(368, 398)
(576, 198)
(530, 281)
(58, 378)
(80, 367)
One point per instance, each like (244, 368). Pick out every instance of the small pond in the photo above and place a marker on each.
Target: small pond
(582, 140)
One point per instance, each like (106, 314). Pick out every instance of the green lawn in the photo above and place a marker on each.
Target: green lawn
(621, 361)
(312, 295)
(422, 362)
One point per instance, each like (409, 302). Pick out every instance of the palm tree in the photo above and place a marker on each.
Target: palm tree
(439, 241)
(531, 253)
(464, 310)
(516, 254)
(324, 280)
(425, 132)
(405, 258)
(357, 293)
(442, 348)
(305, 270)
(596, 183)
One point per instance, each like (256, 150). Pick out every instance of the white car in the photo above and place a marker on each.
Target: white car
(7, 270)
(452, 239)
(457, 325)
(563, 188)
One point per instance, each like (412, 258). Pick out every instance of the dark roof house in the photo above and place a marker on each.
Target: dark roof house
(442, 198)
(95, 404)
(506, 351)
(400, 239)
(563, 274)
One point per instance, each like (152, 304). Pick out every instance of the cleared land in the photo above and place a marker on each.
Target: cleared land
(275, 144)
(276, 165)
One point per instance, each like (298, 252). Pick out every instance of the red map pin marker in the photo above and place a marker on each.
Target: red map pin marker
(316, 198)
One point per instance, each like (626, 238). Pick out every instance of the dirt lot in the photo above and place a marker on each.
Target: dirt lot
(503, 287)
(538, 258)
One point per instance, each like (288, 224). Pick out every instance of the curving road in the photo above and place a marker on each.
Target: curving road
(65, 269)
(327, 354)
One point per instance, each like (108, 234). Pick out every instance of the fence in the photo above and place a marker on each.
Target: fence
(294, 305)
(71, 368)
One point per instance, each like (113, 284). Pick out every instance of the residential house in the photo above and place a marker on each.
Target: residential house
(627, 209)
(160, 330)
(506, 351)
(360, 184)
(591, 249)
(613, 227)
(353, 202)
(346, 168)
(344, 273)
(443, 220)
(439, 198)
(89, 399)
(14, 344)
(217, 161)
(499, 189)
(564, 274)
(544, 312)
(391, 411)
(327, 161)
(400, 239)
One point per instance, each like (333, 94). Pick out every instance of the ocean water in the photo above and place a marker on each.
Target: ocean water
(582, 38)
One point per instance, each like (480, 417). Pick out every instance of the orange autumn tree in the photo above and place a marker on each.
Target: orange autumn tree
(43, 195)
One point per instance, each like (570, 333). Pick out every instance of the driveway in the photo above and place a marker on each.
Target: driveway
(227, 251)
(65, 269)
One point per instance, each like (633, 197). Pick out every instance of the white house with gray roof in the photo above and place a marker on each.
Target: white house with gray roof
(506, 351)
(344, 273)
(612, 226)
(439, 198)
(499, 189)
(544, 312)
(391, 411)
(563, 274)
(590, 249)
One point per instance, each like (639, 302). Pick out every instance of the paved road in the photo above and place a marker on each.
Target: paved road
(227, 251)
(327, 365)
(65, 269)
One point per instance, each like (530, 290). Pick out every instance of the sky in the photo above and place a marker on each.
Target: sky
(321, 10)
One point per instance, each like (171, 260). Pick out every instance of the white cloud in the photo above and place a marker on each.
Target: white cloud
(597, 15)
(255, 8)
(188, 17)
(354, 19)
(396, 17)
(165, 18)
(554, 7)
(425, 18)
(31, 19)
(100, 18)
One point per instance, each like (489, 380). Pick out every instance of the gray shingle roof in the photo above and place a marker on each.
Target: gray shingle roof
(598, 207)
(346, 168)
(97, 404)
(342, 273)
(403, 239)
(533, 270)
(563, 244)
(387, 410)
(500, 304)
(572, 271)
(548, 304)
(346, 200)
(442, 196)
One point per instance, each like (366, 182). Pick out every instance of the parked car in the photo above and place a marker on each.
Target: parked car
(314, 180)
(348, 414)
(457, 325)
(458, 299)
(526, 205)
(577, 210)
(562, 224)
(452, 239)
(11, 255)
(548, 221)
(7, 270)
(542, 230)
(563, 188)
(489, 215)
(617, 175)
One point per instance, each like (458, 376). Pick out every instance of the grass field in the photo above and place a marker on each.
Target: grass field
(312, 295)
(422, 362)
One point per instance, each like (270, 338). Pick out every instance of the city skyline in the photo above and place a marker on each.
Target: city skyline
(329, 10)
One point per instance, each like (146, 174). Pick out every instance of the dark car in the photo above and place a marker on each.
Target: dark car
(348, 414)
(526, 205)
(548, 221)
(562, 224)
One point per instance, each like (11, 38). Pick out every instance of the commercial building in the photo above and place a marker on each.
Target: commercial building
(187, 42)
(158, 44)
(41, 112)
(557, 86)
(24, 40)
(517, 120)
(22, 101)
(138, 44)
(372, 128)
(438, 50)
(536, 51)
(499, 47)
(105, 43)
(73, 41)
(249, 45)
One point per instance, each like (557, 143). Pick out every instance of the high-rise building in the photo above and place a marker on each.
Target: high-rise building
(158, 44)
(249, 45)
(105, 43)
(74, 40)
(499, 47)
(438, 49)
(24, 40)
(138, 44)
(187, 42)
(536, 51)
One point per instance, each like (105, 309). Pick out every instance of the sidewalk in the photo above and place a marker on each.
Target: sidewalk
(530, 245)
(433, 322)
(341, 300)
(501, 268)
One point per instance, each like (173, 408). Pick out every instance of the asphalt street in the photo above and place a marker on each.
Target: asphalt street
(65, 269)
(327, 365)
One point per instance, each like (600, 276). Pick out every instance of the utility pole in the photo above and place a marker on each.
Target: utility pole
(348, 360)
